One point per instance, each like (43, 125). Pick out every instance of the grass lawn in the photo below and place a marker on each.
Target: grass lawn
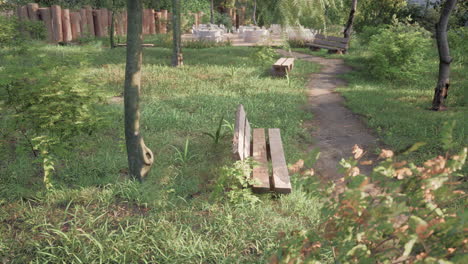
(398, 109)
(93, 214)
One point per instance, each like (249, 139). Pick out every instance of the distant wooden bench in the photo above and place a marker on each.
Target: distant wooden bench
(332, 44)
(283, 66)
(262, 152)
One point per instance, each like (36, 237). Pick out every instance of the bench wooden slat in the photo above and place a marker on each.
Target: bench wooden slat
(338, 39)
(260, 168)
(281, 181)
(312, 45)
(279, 62)
(289, 63)
(329, 43)
(239, 133)
(320, 36)
(247, 139)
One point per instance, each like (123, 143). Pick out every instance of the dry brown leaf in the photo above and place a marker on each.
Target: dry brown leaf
(354, 171)
(309, 172)
(366, 162)
(402, 173)
(357, 152)
(400, 164)
(296, 167)
(386, 154)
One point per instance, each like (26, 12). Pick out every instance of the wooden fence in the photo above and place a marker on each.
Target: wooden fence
(65, 25)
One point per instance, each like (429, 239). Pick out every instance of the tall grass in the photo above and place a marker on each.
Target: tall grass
(93, 215)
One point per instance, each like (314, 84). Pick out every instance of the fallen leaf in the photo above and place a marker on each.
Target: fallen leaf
(385, 154)
(354, 171)
(296, 167)
(366, 162)
(357, 152)
(402, 173)
(309, 172)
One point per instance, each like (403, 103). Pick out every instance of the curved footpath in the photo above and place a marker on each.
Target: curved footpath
(335, 128)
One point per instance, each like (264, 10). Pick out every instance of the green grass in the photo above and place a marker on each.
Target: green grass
(397, 110)
(94, 215)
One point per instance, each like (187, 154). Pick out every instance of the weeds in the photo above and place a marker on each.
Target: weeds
(219, 131)
(183, 156)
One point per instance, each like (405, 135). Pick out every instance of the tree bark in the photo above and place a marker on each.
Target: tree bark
(177, 58)
(254, 16)
(140, 157)
(349, 24)
(443, 83)
(112, 29)
(212, 12)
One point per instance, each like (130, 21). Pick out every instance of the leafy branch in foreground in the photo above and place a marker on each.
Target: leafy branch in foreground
(402, 213)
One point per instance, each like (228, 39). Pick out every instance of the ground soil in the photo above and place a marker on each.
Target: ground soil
(334, 127)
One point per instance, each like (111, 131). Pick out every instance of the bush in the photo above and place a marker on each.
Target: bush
(367, 33)
(223, 19)
(49, 103)
(204, 44)
(398, 50)
(402, 213)
(14, 31)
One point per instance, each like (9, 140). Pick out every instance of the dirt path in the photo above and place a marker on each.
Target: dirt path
(334, 127)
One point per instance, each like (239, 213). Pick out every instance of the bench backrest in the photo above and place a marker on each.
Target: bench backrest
(242, 135)
(332, 38)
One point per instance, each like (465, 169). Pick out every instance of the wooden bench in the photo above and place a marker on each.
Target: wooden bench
(283, 66)
(262, 152)
(332, 44)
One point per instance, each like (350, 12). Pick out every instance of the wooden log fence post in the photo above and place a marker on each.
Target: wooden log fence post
(83, 22)
(23, 13)
(75, 18)
(90, 21)
(46, 17)
(33, 11)
(98, 23)
(158, 22)
(66, 26)
(104, 20)
(164, 16)
(152, 24)
(56, 13)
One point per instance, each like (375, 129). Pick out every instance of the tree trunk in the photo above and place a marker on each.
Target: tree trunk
(443, 83)
(212, 12)
(254, 16)
(112, 29)
(177, 59)
(140, 157)
(349, 24)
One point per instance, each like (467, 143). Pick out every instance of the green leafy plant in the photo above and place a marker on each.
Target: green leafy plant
(264, 55)
(219, 131)
(398, 51)
(48, 103)
(234, 183)
(183, 156)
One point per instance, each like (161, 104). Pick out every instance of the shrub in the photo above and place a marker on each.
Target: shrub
(397, 51)
(402, 213)
(204, 44)
(13, 31)
(49, 103)
(264, 55)
(367, 33)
